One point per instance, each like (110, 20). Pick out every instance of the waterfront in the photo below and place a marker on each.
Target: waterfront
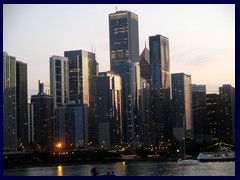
(130, 168)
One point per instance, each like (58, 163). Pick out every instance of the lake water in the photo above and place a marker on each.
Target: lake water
(131, 168)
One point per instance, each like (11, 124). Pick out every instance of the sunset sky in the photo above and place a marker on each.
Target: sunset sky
(201, 37)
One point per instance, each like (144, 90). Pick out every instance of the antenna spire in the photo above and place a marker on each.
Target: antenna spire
(116, 8)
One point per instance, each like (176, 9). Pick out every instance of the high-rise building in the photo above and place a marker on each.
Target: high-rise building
(123, 36)
(124, 57)
(9, 103)
(160, 103)
(144, 111)
(43, 120)
(43, 88)
(22, 104)
(199, 110)
(72, 126)
(227, 93)
(182, 106)
(83, 72)
(144, 60)
(59, 80)
(109, 109)
(159, 62)
(214, 117)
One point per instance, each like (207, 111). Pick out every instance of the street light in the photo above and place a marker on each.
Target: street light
(59, 145)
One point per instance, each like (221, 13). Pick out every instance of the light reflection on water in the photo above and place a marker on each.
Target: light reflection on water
(127, 168)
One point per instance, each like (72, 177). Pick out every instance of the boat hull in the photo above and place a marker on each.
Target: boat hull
(216, 160)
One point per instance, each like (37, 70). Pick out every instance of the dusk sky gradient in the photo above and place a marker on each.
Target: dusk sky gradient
(201, 37)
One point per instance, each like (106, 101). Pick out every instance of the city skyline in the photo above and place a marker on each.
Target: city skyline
(194, 41)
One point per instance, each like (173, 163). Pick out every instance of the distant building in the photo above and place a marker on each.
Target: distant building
(144, 60)
(22, 104)
(43, 120)
(199, 110)
(9, 103)
(83, 72)
(59, 80)
(44, 88)
(160, 103)
(109, 109)
(182, 106)
(72, 126)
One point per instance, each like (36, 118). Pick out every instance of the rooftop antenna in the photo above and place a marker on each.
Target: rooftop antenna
(116, 8)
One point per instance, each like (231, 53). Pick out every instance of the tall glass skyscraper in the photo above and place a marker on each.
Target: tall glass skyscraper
(9, 103)
(161, 123)
(83, 72)
(59, 80)
(124, 57)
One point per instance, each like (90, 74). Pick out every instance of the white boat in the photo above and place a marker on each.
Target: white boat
(223, 154)
(188, 160)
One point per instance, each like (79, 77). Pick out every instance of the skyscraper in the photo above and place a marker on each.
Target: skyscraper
(22, 104)
(161, 123)
(9, 103)
(43, 120)
(109, 109)
(159, 62)
(59, 80)
(227, 93)
(199, 110)
(123, 36)
(124, 57)
(182, 106)
(83, 72)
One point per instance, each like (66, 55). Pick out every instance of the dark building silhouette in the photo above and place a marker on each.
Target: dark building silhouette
(9, 103)
(199, 110)
(72, 126)
(124, 57)
(43, 120)
(227, 93)
(109, 109)
(22, 104)
(214, 115)
(182, 105)
(161, 123)
(83, 72)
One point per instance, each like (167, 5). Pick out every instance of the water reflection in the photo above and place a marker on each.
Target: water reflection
(59, 171)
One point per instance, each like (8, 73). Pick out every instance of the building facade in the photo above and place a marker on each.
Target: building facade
(144, 60)
(160, 103)
(109, 109)
(43, 122)
(9, 103)
(59, 80)
(22, 104)
(199, 110)
(227, 93)
(72, 126)
(83, 72)
(182, 106)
